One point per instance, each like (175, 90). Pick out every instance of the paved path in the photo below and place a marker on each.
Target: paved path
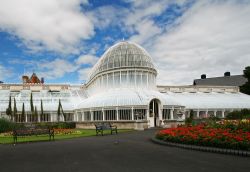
(123, 152)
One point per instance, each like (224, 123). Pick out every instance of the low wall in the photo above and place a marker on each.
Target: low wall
(137, 125)
(171, 123)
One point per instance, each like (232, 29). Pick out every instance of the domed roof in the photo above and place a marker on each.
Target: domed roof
(122, 54)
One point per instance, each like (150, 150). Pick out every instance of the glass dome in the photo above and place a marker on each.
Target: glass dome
(123, 54)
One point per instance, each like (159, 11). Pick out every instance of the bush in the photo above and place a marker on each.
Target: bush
(6, 125)
(59, 125)
(189, 120)
(243, 114)
(64, 125)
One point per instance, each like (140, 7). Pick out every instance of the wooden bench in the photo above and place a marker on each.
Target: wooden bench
(33, 131)
(100, 127)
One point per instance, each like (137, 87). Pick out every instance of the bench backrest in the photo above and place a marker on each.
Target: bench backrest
(103, 125)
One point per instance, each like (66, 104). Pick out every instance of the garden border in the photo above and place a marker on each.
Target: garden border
(203, 148)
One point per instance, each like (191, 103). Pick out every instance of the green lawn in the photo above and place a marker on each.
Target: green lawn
(80, 133)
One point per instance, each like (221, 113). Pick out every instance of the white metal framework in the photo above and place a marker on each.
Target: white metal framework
(122, 88)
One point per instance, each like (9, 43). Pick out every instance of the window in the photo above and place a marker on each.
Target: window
(138, 78)
(110, 79)
(139, 114)
(131, 78)
(110, 115)
(166, 114)
(117, 79)
(97, 115)
(68, 117)
(125, 114)
(87, 116)
(45, 117)
(123, 78)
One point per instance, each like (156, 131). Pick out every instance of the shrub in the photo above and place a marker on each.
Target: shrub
(189, 120)
(65, 125)
(6, 125)
(243, 114)
(58, 125)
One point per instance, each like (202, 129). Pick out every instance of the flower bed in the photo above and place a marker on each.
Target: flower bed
(61, 131)
(205, 135)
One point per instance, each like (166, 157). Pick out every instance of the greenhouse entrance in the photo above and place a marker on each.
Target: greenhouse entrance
(154, 112)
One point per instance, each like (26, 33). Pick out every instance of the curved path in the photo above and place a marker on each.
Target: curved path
(131, 151)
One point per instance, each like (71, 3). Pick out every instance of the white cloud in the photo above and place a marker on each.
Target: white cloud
(4, 73)
(51, 25)
(86, 59)
(56, 68)
(107, 16)
(146, 30)
(140, 21)
(84, 73)
(209, 38)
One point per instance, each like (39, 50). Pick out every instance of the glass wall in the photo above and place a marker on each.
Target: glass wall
(97, 116)
(130, 78)
(165, 114)
(139, 114)
(110, 115)
(125, 114)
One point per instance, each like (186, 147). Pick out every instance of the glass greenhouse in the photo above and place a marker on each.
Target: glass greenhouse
(121, 89)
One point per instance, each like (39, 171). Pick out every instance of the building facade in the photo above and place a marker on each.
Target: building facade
(121, 89)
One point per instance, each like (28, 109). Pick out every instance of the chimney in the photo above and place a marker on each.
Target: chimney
(203, 76)
(25, 79)
(227, 74)
(42, 80)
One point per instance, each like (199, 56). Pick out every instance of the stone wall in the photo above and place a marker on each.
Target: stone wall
(120, 125)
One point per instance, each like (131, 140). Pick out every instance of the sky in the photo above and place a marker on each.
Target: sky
(61, 40)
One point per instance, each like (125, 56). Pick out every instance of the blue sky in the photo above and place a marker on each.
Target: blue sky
(61, 40)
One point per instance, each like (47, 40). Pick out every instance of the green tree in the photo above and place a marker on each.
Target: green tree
(35, 114)
(246, 87)
(23, 114)
(15, 111)
(59, 110)
(31, 103)
(41, 109)
(9, 109)
(189, 119)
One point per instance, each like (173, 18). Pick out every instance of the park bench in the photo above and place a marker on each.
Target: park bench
(100, 127)
(33, 131)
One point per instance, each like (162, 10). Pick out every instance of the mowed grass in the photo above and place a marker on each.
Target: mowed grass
(80, 133)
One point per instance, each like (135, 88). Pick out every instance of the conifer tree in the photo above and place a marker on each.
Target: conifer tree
(59, 111)
(31, 103)
(9, 109)
(15, 111)
(41, 109)
(246, 87)
(23, 114)
(35, 114)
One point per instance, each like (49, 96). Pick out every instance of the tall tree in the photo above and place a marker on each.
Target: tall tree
(23, 114)
(41, 109)
(59, 111)
(246, 87)
(15, 111)
(35, 114)
(9, 109)
(31, 103)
